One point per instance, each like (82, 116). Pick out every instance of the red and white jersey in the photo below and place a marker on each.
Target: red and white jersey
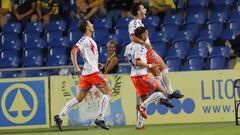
(89, 52)
(135, 23)
(137, 51)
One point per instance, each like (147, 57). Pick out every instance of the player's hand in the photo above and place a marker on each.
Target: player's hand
(77, 70)
(100, 66)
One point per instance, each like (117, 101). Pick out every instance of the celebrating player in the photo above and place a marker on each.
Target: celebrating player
(89, 77)
(143, 83)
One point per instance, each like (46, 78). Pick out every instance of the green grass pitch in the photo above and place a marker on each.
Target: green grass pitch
(170, 129)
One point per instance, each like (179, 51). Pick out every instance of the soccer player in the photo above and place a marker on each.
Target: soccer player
(159, 72)
(143, 83)
(89, 77)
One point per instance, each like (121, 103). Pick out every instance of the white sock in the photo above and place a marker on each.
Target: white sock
(103, 107)
(140, 120)
(68, 106)
(167, 81)
(160, 80)
(152, 98)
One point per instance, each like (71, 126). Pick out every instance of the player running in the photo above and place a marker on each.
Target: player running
(159, 72)
(143, 83)
(89, 77)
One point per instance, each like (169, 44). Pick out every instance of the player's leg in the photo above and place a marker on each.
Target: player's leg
(140, 119)
(167, 82)
(101, 83)
(84, 87)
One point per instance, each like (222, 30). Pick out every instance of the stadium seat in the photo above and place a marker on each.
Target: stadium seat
(217, 62)
(79, 59)
(152, 21)
(234, 26)
(103, 53)
(74, 36)
(204, 3)
(221, 51)
(191, 68)
(169, 31)
(197, 61)
(123, 22)
(173, 19)
(57, 57)
(14, 44)
(34, 27)
(56, 39)
(223, 2)
(9, 37)
(38, 43)
(204, 43)
(101, 36)
(235, 17)
(155, 36)
(56, 26)
(124, 70)
(122, 36)
(160, 48)
(182, 48)
(33, 73)
(196, 15)
(30, 36)
(74, 24)
(102, 23)
(11, 28)
(216, 28)
(33, 58)
(228, 34)
(9, 59)
(173, 64)
(199, 51)
(9, 74)
(192, 29)
(219, 13)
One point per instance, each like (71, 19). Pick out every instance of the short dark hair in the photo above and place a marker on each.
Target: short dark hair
(139, 31)
(135, 8)
(83, 26)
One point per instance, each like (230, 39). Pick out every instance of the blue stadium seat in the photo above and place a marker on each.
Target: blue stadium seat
(34, 27)
(223, 2)
(12, 28)
(160, 48)
(122, 36)
(9, 59)
(9, 37)
(102, 23)
(196, 15)
(102, 53)
(228, 34)
(74, 24)
(199, 51)
(235, 26)
(207, 34)
(173, 64)
(155, 36)
(57, 57)
(38, 43)
(219, 13)
(182, 48)
(57, 26)
(123, 22)
(221, 51)
(30, 36)
(182, 36)
(124, 70)
(173, 19)
(14, 44)
(197, 61)
(33, 73)
(152, 21)
(101, 36)
(204, 3)
(74, 36)
(56, 39)
(169, 31)
(9, 74)
(33, 58)
(192, 29)
(79, 59)
(235, 17)
(191, 68)
(217, 62)
(201, 42)
(216, 28)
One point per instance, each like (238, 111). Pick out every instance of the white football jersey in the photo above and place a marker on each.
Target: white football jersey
(135, 23)
(137, 51)
(89, 52)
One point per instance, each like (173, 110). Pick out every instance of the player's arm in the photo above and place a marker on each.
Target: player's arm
(76, 68)
(145, 65)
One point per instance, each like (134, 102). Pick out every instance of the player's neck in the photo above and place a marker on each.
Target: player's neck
(88, 34)
(137, 18)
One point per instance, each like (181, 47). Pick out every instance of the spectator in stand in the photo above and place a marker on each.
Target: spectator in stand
(86, 9)
(24, 10)
(112, 62)
(47, 10)
(161, 7)
(5, 11)
(124, 5)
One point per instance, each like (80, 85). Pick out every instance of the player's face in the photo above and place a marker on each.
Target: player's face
(145, 36)
(143, 11)
(90, 26)
(111, 48)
